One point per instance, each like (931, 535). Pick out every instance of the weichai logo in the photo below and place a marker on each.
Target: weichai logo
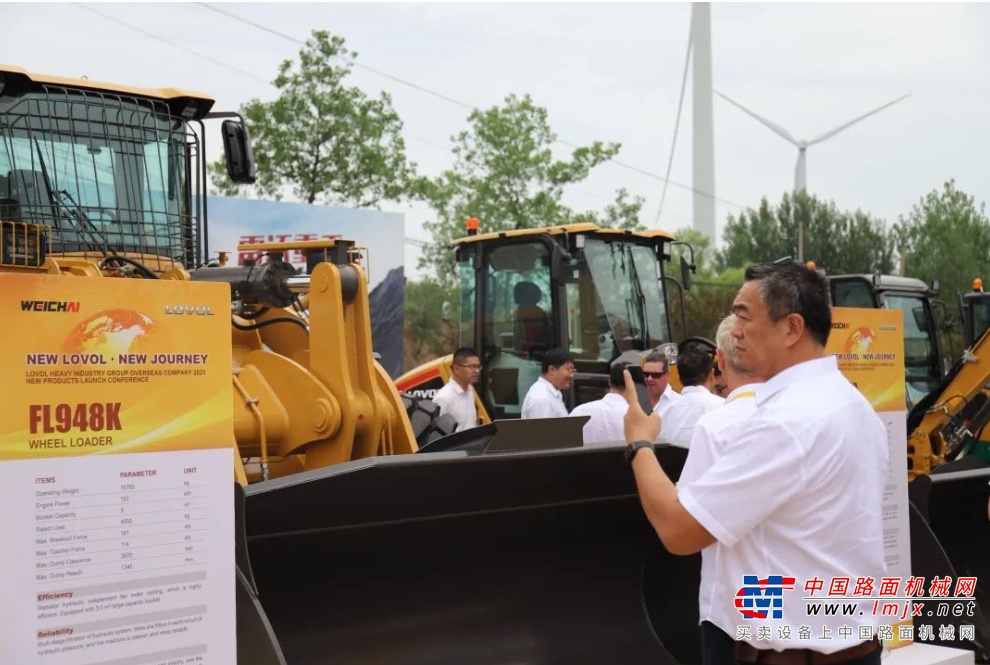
(49, 306)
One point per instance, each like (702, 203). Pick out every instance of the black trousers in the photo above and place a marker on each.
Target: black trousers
(717, 649)
(716, 645)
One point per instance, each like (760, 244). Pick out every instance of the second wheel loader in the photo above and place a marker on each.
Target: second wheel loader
(595, 292)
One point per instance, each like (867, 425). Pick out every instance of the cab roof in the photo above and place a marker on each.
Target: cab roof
(14, 75)
(583, 228)
(885, 282)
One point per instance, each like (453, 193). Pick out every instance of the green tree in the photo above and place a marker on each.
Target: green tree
(428, 331)
(946, 236)
(506, 175)
(710, 297)
(700, 253)
(838, 241)
(328, 142)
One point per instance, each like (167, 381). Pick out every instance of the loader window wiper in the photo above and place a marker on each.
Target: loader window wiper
(640, 300)
(74, 212)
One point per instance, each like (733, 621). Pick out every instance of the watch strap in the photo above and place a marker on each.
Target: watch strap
(634, 447)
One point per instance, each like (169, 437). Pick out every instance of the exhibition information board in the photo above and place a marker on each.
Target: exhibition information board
(116, 471)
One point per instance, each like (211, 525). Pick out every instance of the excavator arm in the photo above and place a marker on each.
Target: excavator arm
(941, 423)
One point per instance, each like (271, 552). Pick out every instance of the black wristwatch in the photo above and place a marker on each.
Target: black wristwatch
(634, 447)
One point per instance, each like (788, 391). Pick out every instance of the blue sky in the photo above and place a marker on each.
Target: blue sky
(605, 71)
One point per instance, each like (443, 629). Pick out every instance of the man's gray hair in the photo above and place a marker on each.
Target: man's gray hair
(655, 356)
(727, 343)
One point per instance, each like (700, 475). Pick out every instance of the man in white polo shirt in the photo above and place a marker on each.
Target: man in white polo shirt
(656, 371)
(605, 414)
(695, 367)
(798, 493)
(457, 397)
(712, 433)
(545, 398)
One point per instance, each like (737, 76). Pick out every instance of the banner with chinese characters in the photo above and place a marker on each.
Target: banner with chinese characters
(116, 471)
(238, 221)
(869, 347)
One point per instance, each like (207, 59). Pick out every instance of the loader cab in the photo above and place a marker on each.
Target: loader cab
(595, 292)
(923, 357)
(111, 171)
(974, 310)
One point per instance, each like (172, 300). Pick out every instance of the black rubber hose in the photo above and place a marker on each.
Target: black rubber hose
(141, 268)
(268, 322)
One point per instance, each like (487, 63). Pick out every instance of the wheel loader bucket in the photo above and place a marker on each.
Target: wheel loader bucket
(472, 556)
(950, 536)
(256, 643)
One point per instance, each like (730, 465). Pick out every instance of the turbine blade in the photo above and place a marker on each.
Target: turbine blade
(774, 127)
(832, 132)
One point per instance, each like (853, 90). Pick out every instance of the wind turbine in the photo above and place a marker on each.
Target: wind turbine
(800, 170)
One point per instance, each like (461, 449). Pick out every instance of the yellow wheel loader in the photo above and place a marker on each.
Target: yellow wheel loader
(596, 292)
(360, 536)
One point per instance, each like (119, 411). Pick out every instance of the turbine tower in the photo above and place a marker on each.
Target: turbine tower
(702, 125)
(800, 170)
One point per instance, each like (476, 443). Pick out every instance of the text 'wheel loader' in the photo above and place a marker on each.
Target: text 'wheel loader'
(361, 537)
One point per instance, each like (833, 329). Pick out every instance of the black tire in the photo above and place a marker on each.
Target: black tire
(424, 416)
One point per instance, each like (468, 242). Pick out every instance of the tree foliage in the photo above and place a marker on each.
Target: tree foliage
(839, 241)
(710, 297)
(328, 142)
(428, 330)
(506, 175)
(946, 236)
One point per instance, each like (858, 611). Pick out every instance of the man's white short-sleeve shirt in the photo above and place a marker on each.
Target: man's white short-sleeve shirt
(712, 433)
(667, 398)
(543, 401)
(606, 422)
(798, 493)
(459, 403)
(678, 424)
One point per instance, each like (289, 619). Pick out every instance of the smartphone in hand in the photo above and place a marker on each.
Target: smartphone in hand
(640, 382)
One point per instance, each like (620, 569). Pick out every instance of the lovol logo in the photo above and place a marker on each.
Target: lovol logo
(201, 310)
(49, 306)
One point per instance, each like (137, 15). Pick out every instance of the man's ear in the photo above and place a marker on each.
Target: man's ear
(793, 328)
(720, 360)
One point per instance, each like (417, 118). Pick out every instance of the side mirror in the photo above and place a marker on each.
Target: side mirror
(238, 153)
(560, 264)
(935, 287)
(686, 269)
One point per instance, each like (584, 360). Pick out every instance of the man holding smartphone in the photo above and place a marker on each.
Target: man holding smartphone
(712, 433)
(798, 491)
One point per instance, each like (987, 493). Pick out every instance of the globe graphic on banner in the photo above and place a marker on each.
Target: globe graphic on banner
(860, 340)
(112, 332)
